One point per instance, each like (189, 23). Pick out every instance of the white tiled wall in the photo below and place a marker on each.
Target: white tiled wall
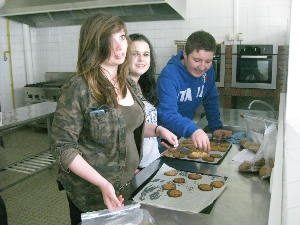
(18, 67)
(55, 48)
(257, 20)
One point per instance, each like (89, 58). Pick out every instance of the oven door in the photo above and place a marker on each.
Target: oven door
(254, 71)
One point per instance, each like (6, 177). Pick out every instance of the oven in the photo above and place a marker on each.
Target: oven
(219, 65)
(254, 66)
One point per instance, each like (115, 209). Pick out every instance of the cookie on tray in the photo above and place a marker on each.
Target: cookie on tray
(179, 180)
(194, 155)
(205, 187)
(171, 173)
(197, 155)
(216, 155)
(178, 154)
(208, 159)
(174, 193)
(186, 141)
(169, 186)
(194, 176)
(222, 148)
(217, 184)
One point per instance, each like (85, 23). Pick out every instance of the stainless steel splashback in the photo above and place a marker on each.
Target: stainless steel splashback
(58, 76)
(42, 13)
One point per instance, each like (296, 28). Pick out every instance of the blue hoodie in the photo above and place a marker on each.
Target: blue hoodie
(180, 94)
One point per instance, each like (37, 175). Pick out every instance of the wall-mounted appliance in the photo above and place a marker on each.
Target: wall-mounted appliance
(218, 61)
(254, 66)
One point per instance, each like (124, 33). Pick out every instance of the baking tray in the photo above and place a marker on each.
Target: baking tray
(192, 199)
(186, 151)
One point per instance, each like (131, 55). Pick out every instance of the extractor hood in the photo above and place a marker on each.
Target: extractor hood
(47, 13)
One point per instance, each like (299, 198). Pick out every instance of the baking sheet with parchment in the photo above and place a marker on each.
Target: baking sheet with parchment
(192, 199)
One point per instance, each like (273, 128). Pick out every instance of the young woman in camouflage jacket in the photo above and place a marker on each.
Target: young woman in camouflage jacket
(99, 123)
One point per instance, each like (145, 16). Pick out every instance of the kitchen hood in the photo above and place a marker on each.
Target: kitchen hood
(48, 13)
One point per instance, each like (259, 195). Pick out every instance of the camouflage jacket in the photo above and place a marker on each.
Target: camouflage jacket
(97, 132)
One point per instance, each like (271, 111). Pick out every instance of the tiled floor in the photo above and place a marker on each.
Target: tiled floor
(33, 200)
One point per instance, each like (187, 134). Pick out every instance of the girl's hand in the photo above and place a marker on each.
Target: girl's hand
(109, 196)
(170, 138)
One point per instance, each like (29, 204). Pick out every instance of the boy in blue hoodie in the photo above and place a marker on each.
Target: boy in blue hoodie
(186, 82)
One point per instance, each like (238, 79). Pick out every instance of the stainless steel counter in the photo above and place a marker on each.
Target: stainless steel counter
(30, 164)
(25, 115)
(245, 201)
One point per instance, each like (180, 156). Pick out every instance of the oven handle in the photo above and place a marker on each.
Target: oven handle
(254, 56)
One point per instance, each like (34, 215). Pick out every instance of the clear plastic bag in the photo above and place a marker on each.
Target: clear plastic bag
(268, 144)
(128, 215)
(262, 131)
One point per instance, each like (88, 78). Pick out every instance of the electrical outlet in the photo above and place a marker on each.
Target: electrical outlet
(239, 36)
(230, 37)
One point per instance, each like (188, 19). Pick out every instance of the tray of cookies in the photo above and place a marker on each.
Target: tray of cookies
(187, 151)
(181, 190)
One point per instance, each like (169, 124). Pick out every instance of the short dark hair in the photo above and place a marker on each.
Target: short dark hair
(200, 40)
(147, 81)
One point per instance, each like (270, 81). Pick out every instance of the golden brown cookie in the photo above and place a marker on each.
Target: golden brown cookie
(179, 180)
(194, 176)
(178, 154)
(245, 167)
(194, 155)
(217, 184)
(188, 145)
(205, 187)
(168, 153)
(186, 141)
(216, 155)
(169, 186)
(224, 144)
(171, 173)
(174, 193)
(197, 154)
(259, 163)
(265, 171)
(222, 148)
(208, 159)
(214, 147)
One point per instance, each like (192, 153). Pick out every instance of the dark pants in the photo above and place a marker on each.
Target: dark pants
(3, 214)
(75, 213)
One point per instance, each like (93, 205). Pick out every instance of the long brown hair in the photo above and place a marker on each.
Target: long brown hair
(94, 49)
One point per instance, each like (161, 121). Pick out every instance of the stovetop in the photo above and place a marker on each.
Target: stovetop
(56, 84)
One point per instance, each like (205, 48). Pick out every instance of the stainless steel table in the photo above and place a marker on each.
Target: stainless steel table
(25, 115)
(245, 201)
(32, 164)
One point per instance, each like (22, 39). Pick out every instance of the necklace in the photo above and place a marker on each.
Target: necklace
(114, 80)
